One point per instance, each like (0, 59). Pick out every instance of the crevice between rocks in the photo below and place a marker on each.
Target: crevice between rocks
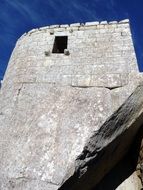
(106, 87)
(13, 181)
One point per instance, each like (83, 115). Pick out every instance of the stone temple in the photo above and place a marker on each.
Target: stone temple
(61, 85)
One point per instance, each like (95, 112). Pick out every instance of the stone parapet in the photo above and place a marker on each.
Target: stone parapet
(75, 26)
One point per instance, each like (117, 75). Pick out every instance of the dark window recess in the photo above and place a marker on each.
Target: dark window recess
(60, 44)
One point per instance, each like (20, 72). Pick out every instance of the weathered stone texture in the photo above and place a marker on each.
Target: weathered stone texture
(106, 53)
(131, 183)
(51, 105)
(109, 144)
(45, 137)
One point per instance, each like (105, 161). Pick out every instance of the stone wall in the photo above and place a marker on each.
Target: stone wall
(100, 55)
(51, 101)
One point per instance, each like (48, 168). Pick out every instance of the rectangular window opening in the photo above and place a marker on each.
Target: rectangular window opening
(60, 44)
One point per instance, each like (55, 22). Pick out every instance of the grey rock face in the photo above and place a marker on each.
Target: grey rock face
(60, 118)
(107, 145)
(51, 105)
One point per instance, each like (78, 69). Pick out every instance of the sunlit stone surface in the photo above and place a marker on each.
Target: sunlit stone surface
(52, 103)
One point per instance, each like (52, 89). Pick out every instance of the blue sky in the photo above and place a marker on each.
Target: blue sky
(20, 16)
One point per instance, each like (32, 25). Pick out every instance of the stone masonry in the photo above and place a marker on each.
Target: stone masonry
(50, 101)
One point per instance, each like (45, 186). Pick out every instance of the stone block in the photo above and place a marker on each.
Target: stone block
(59, 29)
(113, 22)
(66, 52)
(91, 23)
(103, 22)
(44, 28)
(54, 26)
(81, 80)
(124, 21)
(74, 24)
(32, 31)
(64, 25)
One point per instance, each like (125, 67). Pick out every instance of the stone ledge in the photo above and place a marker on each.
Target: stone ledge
(76, 26)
